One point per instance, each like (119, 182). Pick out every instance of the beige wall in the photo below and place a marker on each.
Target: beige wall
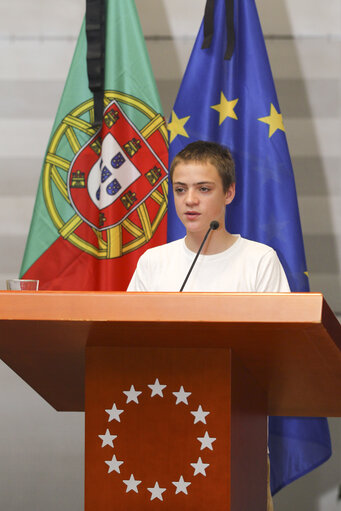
(41, 451)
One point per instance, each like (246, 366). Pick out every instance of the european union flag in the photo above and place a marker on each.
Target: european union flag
(233, 102)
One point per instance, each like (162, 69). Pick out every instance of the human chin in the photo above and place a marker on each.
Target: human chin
(195, 224)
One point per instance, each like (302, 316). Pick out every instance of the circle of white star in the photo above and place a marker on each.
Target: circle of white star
(156, 491)
(206, 441)
(199, 416)
(132, 484)
(132, 394)
(157, 388)
(114, 464)
(181, 396)
(107, 439)
(200, 467)
(181, 486)
(114, 414)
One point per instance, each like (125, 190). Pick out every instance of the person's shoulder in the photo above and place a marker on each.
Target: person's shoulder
(256, 248)
(265, 266)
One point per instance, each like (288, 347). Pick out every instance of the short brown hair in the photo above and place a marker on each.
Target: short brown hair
(202, 151)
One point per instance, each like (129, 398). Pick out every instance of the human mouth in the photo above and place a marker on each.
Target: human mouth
(192, 215)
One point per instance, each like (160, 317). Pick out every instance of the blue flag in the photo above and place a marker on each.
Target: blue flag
(234, 102)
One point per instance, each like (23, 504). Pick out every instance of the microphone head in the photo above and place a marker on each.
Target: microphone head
(214, 225)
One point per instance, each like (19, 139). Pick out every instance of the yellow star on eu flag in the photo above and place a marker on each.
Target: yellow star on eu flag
(225, 108)
(274, 120)
(176, 126)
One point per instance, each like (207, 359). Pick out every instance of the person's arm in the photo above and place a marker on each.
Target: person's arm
(140, 278)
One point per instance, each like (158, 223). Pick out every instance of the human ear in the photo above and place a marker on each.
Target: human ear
(230, 193)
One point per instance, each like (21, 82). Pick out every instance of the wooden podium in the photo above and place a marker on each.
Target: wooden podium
(176, 387)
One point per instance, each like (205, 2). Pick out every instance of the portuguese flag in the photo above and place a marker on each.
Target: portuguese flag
(102, 196)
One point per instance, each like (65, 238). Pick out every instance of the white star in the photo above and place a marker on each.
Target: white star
(114, 413)
(199, 467)
(199, 415)
(132, 394)
(156, 491)
(157, 388)
(181, 485)
(114, 464)
(107, 439)
(132, 484)
(206, 441)
(181, 396)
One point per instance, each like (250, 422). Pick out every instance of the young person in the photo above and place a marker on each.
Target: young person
(203, 180)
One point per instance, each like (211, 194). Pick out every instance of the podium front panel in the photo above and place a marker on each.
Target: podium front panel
(160, 423)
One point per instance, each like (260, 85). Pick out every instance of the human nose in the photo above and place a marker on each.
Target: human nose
(191, 197)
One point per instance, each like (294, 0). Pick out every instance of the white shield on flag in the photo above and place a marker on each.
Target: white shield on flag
(111, 175)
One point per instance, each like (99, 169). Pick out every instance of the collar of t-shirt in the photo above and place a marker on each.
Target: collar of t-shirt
(214, 257)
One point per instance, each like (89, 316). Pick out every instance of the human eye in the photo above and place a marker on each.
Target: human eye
(204, 189)
(179, 189)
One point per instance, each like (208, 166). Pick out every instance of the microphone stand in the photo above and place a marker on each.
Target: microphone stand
(213, 226)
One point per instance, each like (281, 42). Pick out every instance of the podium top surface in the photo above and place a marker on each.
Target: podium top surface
(290, 342)
(173, 307)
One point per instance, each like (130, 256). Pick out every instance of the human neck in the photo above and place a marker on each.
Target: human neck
(217, 241)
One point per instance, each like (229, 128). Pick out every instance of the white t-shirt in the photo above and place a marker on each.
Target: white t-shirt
(246, 266)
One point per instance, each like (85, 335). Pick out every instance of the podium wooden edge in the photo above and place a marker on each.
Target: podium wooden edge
(117, 306)
(331, 323)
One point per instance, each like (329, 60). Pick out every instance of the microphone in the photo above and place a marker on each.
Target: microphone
(213, 226)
